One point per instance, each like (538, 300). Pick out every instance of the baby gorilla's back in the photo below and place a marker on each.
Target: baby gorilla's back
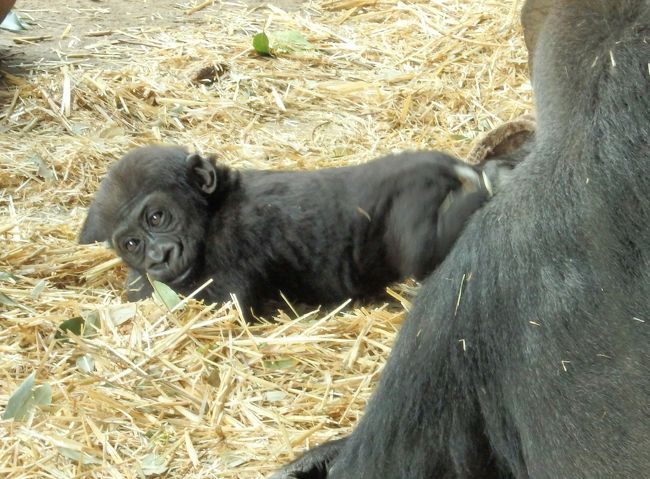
(348, 232)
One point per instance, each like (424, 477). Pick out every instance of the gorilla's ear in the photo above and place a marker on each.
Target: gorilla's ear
(533, 16)
(94, 228)
(202, 172)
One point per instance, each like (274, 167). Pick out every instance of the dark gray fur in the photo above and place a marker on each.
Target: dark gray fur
(542, 371)
(319, 237)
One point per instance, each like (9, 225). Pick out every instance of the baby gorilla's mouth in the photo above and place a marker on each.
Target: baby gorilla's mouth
(171, 276)
(179, 279)
(173, 269)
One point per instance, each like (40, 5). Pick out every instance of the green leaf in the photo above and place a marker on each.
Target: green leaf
(74, 325)
(92, 322)
(232, 460)
(43, 395)
(88, 323)
(13, 23)
(86, 363)
(7, 301)
(288, 41)
(340, 151)
(78, 456)
(4, 276)
(121, 313)
(261, 44)
(275, 396)
(38, 289)
(152, 464)
(44, 171)
(164, 295)
(280, 363)
(21, 400)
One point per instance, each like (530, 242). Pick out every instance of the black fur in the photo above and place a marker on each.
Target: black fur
(315, 463)
(320, 237)
(542, 370)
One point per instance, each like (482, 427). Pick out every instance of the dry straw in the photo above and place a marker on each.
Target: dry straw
(197, 393)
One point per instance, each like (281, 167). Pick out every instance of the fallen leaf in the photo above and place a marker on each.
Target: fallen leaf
(152, 464)
(275, 396)
(284, 41)
(38, 289)
(121, 313)
(8, 301)
(164, 295)
(74, 325)
(280, 363)
(13, 23)
(26, 396)
(78, 456)
(19, 403)
(261, 44)
(288, 41)
(86, 363)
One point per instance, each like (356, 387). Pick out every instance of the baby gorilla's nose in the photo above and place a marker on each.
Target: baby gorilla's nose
(159, 255)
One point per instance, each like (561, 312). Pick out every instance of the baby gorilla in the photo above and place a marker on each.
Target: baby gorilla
(318, 236)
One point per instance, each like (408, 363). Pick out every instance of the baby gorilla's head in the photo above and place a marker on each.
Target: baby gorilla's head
(151, 208)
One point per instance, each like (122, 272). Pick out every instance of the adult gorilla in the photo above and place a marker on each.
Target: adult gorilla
(527, 353)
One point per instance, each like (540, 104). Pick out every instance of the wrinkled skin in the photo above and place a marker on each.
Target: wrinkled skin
(526, 353)
(320, 237)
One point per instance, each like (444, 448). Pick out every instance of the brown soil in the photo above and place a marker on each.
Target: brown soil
(76, 29)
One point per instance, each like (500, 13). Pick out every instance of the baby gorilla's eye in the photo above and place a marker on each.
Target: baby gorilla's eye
(155, 218)
(131, 244)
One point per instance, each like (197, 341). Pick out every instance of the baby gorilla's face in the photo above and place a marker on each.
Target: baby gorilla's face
(158, 236)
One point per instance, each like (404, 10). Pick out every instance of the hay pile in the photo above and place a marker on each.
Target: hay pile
(196, 393)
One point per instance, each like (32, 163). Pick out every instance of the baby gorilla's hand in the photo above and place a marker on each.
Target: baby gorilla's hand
(459, 205)
(314, 464)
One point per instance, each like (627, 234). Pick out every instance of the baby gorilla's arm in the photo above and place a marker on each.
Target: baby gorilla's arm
(137, 287)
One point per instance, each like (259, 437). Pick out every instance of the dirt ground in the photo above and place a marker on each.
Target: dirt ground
(69, 30)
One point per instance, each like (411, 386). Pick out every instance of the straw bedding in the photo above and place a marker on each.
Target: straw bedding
(196, 393)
